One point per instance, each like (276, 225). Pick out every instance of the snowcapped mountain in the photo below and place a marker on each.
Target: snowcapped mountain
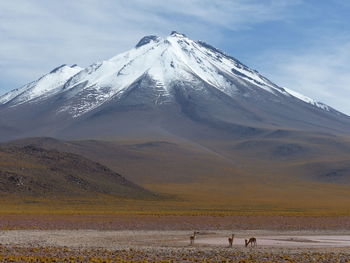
(173, 59)
(160, 82)
(44, 87)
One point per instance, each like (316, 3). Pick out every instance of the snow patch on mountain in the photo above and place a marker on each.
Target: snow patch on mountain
(166, 61)
(43, 87)
(307, 99)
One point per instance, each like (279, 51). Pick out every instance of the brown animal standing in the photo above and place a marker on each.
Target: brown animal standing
(252, 242)
(193, 237)
(230, 240)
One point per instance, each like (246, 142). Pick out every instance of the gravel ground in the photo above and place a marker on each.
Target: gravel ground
(172, 246)
(143, 238)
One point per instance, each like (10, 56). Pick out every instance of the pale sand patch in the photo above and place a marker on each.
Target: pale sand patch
(141, 238)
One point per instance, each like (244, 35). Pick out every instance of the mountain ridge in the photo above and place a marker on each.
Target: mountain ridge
(156, 39)
(160, 80)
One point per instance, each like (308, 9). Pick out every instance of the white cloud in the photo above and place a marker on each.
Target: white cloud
(320, 71)
(227, 13)
(38, 35)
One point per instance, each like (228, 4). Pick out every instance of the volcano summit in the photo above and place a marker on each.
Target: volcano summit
(168, 87)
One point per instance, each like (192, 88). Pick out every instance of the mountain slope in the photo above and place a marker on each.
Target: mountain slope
(164, 87)
(33, 171)
(281, 172)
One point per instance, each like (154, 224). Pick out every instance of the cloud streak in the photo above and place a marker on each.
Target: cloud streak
(38, 35)
(320, 72)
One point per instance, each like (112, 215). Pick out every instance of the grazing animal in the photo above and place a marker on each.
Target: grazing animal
(252, 242)
(193, 237)
(230, 240)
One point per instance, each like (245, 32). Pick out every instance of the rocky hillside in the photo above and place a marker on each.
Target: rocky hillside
(34, 171)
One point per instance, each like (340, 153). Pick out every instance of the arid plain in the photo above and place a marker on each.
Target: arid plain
(294, 216)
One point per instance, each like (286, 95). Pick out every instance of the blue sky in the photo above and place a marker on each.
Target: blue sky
(302, 45)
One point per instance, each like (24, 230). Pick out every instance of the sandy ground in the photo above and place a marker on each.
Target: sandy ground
(174, 239)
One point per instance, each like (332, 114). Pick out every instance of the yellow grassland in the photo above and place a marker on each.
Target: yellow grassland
(200, 199)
